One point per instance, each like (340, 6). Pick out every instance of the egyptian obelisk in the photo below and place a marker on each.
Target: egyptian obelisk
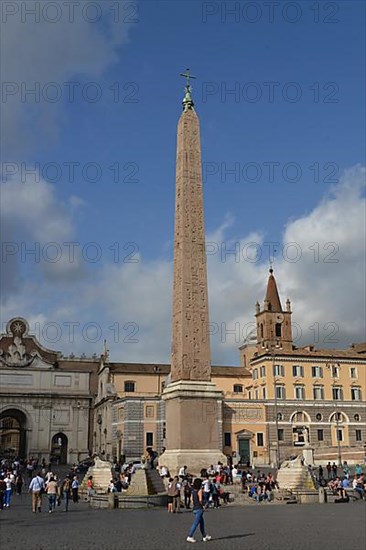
(193, 403)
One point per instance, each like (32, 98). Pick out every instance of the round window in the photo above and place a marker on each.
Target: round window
(279, 416)
(357, 417)
(318, 416)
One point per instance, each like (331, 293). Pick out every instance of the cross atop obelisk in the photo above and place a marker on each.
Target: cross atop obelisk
(187, 101)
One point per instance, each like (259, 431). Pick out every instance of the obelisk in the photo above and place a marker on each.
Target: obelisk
(193, 403)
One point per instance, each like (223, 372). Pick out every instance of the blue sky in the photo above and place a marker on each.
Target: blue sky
(317, 137)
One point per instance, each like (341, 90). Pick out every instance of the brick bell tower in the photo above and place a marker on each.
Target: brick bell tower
(273, 323)
(193, 402)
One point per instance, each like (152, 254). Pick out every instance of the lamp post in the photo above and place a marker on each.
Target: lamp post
(272, 348)
(332, 367)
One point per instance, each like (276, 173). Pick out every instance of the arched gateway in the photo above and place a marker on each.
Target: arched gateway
(13, 433)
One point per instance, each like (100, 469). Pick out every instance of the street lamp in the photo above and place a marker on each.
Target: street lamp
(272, 348)
(332, 368)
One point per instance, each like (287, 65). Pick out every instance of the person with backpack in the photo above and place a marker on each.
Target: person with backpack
(198, 510)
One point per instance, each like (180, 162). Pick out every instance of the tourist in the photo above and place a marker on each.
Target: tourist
(75, 490)
(66, 490)
(176, 498)
(19, 484)
(187, 491)
(171, 494)
(198, 510)
(51, 490)
(36, 487)
(346, 470)
(164, 472)
(334, 470)
(216, 488)
(89, 487)
(358, 470)
(329, 470)
(9, 490)
(182, 472)
(2, 492)
(207, 489)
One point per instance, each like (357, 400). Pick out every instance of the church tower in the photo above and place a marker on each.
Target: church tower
(273, 323)
(193, 404)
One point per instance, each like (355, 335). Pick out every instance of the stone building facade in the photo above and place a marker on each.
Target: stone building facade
(46, 401)
(279, 399)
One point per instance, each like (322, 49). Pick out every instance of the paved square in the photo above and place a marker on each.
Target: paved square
(252, 527)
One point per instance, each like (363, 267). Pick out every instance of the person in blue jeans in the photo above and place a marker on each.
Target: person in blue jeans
(198, 510)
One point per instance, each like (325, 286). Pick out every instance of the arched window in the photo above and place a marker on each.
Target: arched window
(299, 417)
(338, 417)
(278, 330)
(262, 331)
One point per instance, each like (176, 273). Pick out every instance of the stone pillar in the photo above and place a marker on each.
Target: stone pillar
(193, 402)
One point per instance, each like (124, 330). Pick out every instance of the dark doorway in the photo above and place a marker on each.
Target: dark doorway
(59, 448)
(244, 450)
(13, 434)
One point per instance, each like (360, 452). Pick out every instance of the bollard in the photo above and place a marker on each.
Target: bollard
(322, 495)
(112, 500)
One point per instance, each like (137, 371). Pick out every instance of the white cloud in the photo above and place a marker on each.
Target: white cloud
(36, 53)
(140, 293)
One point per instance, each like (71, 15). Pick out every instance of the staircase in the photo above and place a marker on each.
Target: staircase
(155, 483)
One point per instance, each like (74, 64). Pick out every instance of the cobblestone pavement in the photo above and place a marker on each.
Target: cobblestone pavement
(259, 527)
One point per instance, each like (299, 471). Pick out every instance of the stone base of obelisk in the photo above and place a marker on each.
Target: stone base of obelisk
(193, 411)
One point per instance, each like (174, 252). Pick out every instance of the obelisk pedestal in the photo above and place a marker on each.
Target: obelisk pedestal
(193, 402)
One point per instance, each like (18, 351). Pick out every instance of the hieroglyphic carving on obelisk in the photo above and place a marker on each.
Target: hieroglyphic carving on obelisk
(191, 358)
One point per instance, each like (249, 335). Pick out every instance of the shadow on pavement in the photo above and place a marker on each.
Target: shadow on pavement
(235, 536)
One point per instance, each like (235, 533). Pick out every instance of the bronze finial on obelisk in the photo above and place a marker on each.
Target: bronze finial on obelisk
(190, 339)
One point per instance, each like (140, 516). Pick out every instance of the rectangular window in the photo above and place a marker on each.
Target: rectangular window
(129, 386)
(337, 394)
(339, 435)
(255, 374)
(358, 435)
(318, 392)
(264, 392)
(299, 392)
(353, 372)
(317, 372)
(259, 439)
(249, 394)
(356, 394)
(280, 392)
(320, 435)
(298, 371)
(278, 370)
(280, 434)
(227, 439)
(256, 394)
(149, 439)
(238, 388)
(335, 371)
(149, 411)
(263, 371)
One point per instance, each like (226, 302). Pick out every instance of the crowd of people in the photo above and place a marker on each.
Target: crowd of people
(39, 481)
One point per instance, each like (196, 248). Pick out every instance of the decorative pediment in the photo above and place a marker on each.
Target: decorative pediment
(19, 349)
(244, 434)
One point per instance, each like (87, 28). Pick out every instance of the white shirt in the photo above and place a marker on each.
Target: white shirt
(182, 471)
(8, 482)
(206, 485)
